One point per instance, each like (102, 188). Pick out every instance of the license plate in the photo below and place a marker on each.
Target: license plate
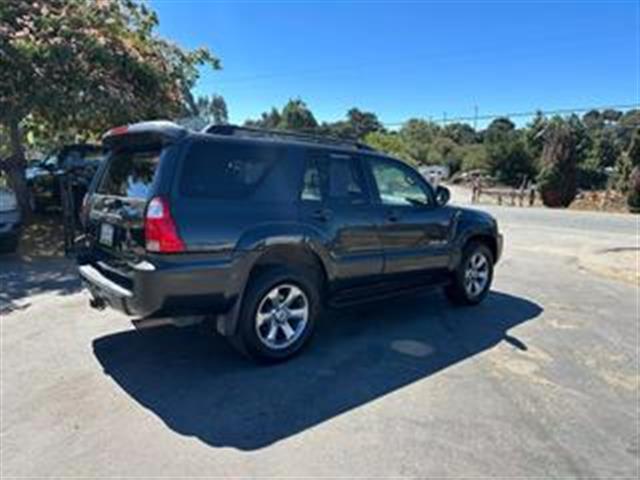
(106, 234)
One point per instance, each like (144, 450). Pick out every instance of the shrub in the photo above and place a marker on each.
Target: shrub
(557, 180)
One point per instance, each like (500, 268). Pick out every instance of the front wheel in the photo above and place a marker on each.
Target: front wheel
(278, 315)
(472, 279)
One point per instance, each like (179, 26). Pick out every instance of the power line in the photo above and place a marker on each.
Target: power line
(560, 111)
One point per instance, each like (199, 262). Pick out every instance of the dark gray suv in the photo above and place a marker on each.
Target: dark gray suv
(260, 230)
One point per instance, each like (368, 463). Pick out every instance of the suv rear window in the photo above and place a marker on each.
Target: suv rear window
(130, 174)
(225, 171)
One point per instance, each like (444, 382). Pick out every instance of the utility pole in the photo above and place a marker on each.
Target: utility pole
(444, 118)
(475, 117)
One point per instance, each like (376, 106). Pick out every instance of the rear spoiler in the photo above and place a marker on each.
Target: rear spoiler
(144, 133)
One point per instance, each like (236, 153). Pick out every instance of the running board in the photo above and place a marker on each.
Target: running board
(375, 293)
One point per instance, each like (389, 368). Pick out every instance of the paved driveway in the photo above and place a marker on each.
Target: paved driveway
(540, 380)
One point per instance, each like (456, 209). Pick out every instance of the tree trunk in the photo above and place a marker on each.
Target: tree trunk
(15, 167)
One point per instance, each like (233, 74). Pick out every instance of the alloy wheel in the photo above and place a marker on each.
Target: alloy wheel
(476, 274)
(282, 316)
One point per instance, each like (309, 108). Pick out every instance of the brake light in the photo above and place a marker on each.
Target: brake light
(121, 130)
(161, 235)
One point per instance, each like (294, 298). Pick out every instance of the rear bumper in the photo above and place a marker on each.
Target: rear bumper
(160, 288)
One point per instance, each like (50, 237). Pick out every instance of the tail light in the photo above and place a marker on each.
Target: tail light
(161, 235)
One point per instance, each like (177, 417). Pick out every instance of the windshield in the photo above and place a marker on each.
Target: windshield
(130, 174)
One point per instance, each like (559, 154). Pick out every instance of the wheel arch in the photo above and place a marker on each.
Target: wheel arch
(486, 239)
(298, 254)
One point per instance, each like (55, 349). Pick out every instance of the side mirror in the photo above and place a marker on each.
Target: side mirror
(443, 195)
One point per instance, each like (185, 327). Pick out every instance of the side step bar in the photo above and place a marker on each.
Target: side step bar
(374, 293)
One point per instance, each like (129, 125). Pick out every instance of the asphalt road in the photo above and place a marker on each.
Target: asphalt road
(540, 380)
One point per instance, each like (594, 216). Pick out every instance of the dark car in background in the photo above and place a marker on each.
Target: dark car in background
(263, 229)
(43, 177)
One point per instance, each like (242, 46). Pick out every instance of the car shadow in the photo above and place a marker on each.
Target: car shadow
(199, 386)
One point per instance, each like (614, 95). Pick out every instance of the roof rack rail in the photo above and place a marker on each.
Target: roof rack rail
(253, 132)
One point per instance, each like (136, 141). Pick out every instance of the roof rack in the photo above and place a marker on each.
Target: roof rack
(252, 132)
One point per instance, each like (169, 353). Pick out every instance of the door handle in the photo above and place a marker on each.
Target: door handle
(393, 216)
(321, 214)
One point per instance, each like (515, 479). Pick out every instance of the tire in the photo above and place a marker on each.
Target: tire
(471, 288)
(269, 330)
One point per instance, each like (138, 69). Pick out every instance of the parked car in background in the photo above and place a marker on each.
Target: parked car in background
(263, 229)
(10, 221)
(43, 177)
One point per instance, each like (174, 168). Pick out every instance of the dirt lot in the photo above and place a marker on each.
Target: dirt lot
(540, 380)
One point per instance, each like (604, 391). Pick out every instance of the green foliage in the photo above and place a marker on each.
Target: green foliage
(633, 197)
(391, 143)
(360, 124)
(71, 69)
(509, 160)
(474, 157)
(86, 65)
(557, 180)
(460, 133)
(212, 109)
(297, 116)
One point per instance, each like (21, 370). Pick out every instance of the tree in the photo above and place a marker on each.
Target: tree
(498, 128)
(508, 157)
(418, 136)
(461, 133)
(362, 123)
(269, 120)
(212, 109)
(84, 66)
(389, 142)
(557, 178)
(474, 157)
(297, 116)
(534, 137)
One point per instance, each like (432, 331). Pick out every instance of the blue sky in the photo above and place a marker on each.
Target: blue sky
(414, 58)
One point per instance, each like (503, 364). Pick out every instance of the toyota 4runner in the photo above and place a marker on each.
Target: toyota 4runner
(262, 229)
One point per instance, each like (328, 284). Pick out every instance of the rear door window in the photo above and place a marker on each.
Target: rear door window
(130, 174)
(312, 182)
(335, 178)
(227, 171)
(346, 181)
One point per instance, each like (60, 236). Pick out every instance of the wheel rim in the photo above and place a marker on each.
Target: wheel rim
(282, 316)
(476, 275)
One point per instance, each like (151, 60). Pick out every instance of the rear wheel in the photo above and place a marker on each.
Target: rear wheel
(278, 314)
(472, 280)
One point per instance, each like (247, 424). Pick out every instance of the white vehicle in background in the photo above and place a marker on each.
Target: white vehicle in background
(10, 221)
(434, 174)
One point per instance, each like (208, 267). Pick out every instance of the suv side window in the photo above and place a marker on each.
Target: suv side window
(345, 180)
(398, 185)
(335, 178)
(226, 171)
(311, 182)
